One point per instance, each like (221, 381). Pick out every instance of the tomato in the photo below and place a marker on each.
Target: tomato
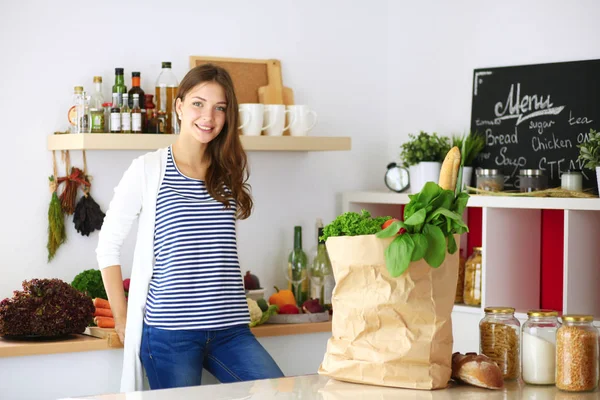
(391, 221)
(388, 222)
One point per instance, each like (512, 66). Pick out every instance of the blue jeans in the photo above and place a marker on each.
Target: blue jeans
(176, 358)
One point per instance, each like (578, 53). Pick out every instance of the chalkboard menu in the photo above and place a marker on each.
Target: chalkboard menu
(534, 116)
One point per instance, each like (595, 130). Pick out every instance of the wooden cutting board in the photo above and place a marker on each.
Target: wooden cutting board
(275, 92)
(248, 75)
(105, 333)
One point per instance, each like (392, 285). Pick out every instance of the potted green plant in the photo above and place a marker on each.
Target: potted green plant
(589, 153)
(423, 154)
(471, 145)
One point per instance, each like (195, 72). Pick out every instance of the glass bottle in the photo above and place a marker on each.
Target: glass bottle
(499, 339)
(166, 90)
(125, 115)
(107, 107)
(72, 114)
(577, 354)
(538, 354)
(83, 114)
(115, 115)
(96, 107)
(119, 87)
(472, 285)
(136, 88)
(136, 115)
(150, 114)
(321, 274)
(297, 269)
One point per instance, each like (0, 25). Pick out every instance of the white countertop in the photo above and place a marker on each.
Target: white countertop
(316, 387)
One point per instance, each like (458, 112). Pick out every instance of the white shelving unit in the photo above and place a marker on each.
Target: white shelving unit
(125, 141)
(511, 239)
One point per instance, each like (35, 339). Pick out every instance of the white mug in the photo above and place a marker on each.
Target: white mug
(300, 126)
(253, 116)
(275, 119)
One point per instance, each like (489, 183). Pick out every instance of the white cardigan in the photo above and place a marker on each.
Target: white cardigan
(135, 196)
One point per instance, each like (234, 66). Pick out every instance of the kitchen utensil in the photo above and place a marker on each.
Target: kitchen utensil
(248, 75)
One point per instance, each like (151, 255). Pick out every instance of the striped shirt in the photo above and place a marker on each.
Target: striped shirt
(196, 282)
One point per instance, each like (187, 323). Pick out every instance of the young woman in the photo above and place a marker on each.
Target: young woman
(186, 307)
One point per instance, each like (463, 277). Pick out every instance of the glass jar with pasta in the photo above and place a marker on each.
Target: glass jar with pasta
(472, 286)
(577, 354)
(499, 339)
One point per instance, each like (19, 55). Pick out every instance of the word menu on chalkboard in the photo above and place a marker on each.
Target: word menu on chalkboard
(534, 116)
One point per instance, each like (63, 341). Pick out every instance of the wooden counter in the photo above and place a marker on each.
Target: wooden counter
(76, 343)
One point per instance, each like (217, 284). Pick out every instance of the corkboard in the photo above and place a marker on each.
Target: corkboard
(247, 75)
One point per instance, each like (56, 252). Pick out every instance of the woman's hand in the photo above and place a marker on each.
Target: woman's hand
(120, 329)
(113, 283)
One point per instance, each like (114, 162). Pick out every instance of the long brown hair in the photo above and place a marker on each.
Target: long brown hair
(228, 164)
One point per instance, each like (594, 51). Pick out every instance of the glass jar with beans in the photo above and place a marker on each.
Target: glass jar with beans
(577, 354)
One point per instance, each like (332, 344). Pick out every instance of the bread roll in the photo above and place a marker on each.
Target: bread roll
(449, 171)
(477, 370)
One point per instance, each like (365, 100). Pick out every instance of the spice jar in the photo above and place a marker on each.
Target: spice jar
(577, 354)
(489, 179)
(538, 354)
(499, 339)
(472, 286)
(107, 107)
(460, 283)
(572, 180)
(531, 180)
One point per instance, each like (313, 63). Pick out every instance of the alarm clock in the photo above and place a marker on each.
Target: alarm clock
(396, 178)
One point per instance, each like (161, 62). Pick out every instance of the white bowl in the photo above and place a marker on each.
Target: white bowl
(255, 294)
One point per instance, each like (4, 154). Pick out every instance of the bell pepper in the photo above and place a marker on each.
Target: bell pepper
(289, 309)
(282, 298)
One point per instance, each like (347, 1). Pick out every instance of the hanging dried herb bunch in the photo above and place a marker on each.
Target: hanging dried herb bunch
(56, 222)
(88, 216)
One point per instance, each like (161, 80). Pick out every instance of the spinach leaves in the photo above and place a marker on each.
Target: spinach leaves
(431, 218)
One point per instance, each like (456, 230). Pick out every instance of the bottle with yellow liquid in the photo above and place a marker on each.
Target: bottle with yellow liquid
(166, 90)
(297, 275)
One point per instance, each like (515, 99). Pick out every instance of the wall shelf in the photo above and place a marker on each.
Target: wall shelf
(533, 203)
(124, 141)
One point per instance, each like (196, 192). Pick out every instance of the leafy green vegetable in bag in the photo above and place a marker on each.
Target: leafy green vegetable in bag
(431, 218)
(354, 224)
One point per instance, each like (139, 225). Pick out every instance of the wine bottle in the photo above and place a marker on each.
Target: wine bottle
(297, 269)
(321, 274)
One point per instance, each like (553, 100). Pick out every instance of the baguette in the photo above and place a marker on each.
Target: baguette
(477, 370)
(449, 171)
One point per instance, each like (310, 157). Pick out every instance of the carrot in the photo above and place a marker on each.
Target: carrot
(105, 322)
(101, 303)
(103, 312)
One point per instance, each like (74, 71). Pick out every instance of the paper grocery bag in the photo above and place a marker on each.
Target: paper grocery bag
(336, 390)
(389, 331)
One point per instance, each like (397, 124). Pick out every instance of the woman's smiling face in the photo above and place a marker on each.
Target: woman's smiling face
(203, 112)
